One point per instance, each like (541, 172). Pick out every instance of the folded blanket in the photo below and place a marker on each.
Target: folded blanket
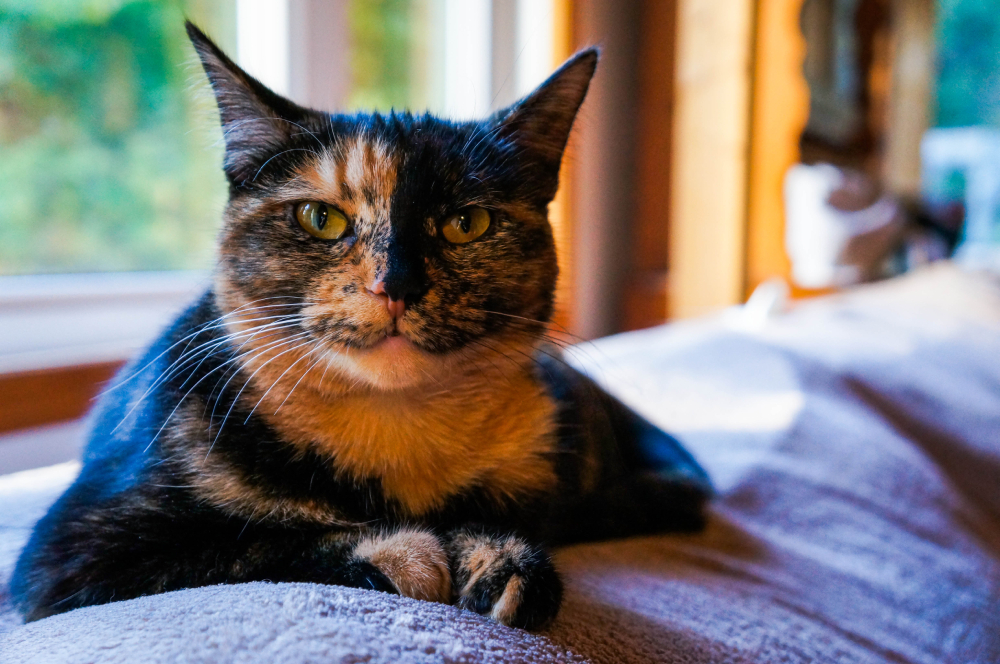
(855, 445)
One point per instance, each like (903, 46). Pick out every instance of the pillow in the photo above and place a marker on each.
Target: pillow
(855, 446)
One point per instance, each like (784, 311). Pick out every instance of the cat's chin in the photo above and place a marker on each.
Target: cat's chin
(396, 344)
(391, 364)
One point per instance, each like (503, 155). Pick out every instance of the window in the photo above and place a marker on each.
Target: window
(111, 149)
(961, 157)
(106, 162)
(968, 81)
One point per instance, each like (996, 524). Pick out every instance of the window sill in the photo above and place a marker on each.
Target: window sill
(52, 321)
(63, 335)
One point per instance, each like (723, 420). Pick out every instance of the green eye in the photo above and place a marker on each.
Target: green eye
(321, 220)
(466, 226)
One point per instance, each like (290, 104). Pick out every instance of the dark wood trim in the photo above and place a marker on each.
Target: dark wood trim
(644, 303)
(604, 165)
(36, 398)
(780, 110)
(645, 299)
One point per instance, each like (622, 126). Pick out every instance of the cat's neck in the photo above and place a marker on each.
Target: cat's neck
(487, 427)
(475, 418)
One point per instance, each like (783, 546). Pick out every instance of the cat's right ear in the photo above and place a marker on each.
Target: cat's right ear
(256, 122)
(540, 123)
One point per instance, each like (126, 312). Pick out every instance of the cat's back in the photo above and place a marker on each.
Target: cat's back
(120, 448)
(132, 408)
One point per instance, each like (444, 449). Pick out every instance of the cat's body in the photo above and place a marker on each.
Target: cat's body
(362, 397)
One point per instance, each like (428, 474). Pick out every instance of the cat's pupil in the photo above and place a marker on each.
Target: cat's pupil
(464, 222)
(320, 218)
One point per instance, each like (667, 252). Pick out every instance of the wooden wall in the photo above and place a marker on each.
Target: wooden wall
(36, 398)
(779, 111)
(710, 154)
(603, 166)
(678, 165)
(741, 105)
(619, 167)
(644, 302)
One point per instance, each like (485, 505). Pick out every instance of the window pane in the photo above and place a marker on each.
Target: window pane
(110, 151)
(968, 85)
(386, 48)
(434, 55)
(110, 160)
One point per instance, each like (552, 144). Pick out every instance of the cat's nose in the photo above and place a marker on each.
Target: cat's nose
(396, 308)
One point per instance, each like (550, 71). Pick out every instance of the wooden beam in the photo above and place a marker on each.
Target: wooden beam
(604, 165)
(710, 153)
(780, 109)
(911, 96)
(560, 210)
(645, 297)
(36, 398)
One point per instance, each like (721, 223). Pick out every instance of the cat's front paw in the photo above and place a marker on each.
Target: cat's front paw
(506, 578)
(362, 574)
(413, 560)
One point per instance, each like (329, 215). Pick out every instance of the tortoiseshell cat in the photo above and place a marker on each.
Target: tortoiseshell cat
(363, 397)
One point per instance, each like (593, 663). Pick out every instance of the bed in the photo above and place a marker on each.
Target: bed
(854, 442)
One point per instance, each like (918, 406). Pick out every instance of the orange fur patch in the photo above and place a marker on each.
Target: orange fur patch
(413, 560)
(485, 427)
(340, 175)
(506, 607)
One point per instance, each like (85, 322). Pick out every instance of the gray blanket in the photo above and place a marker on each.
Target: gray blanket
(855, 444)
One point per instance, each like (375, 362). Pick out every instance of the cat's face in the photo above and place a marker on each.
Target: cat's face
(395, 245)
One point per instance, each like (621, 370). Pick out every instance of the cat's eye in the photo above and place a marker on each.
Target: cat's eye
(466, 226)
(321, 220)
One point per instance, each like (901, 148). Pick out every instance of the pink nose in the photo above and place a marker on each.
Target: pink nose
(396, 308)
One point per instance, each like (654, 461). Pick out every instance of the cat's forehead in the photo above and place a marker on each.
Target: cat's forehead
(358, 170)
(408, 167)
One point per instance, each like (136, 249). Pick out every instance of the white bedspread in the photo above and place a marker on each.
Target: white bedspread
(855, 443)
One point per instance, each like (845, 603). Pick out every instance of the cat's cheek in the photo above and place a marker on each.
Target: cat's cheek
(346, 308)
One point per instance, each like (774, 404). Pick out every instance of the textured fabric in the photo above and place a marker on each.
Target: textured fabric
(276, 623)
(855, 446)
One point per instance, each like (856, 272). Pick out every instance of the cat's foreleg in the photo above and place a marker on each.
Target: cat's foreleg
(104, 555)
(503, 576)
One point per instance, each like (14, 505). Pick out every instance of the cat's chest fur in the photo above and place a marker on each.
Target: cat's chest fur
(492, 433)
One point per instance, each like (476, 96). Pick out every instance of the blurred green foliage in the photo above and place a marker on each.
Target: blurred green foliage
(383, 40)
(110, 151)
(968, 44)
(109, 159)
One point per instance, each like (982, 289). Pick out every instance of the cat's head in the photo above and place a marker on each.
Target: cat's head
(394, 246)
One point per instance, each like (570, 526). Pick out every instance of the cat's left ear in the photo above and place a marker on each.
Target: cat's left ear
(540, 123)
(256, 122)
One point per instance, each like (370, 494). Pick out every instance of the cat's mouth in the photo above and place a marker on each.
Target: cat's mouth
(392, 343)
(392, 360)
(393, 340)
